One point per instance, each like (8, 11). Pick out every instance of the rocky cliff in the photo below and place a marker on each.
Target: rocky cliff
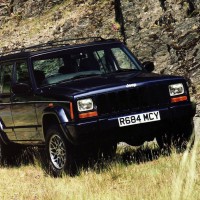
(166, 32)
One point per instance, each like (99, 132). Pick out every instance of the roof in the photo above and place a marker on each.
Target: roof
(53, 46)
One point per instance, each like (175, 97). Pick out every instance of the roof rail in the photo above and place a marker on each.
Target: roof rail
(50, 44)
(59, 42)
(10, 52)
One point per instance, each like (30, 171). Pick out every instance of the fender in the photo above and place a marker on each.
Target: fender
(59, 112)
(62, 116)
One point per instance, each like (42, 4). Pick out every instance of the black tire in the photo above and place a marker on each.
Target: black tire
(107, 151)
(184, 138)
(180, 139)
(3, 156)
(59, 153)
(165, 142)
(10, 154)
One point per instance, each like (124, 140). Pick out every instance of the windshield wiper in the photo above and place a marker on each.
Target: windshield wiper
(125, 70)
(82, 76)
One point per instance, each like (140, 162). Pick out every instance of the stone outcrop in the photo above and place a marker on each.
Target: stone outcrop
(166, 32)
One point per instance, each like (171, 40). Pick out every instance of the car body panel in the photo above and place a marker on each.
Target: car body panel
(25, 117)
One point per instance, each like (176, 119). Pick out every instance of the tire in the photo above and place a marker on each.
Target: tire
(59, 153)
(165, 142)
(180, 139)
(10, 154)
(107, 151)
(184, 138)
(3, 156)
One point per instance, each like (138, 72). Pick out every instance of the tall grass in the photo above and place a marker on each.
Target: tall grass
(136, 173)
(184, 181)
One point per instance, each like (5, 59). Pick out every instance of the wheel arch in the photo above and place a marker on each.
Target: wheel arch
(55, 116)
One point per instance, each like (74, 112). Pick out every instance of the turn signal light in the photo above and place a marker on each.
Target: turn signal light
(88, 114)
(179, 99)
(71, 111)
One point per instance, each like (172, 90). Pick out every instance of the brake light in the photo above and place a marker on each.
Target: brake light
(179, 99)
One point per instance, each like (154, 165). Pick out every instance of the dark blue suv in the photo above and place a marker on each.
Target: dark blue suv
(87, 97)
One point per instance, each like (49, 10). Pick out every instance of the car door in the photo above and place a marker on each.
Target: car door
(6, 120)
(23, 108)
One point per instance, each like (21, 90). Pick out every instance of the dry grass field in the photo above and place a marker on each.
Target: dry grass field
(135, 173)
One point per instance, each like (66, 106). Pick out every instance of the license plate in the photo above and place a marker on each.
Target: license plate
(139, 118)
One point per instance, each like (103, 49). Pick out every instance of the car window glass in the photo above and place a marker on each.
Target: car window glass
(123, 61)
(48, 66)
(104, 61)
(5, 78)
(66, 67)
(79, 63)
(22, 75)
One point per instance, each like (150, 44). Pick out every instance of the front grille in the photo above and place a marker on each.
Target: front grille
(133, 99)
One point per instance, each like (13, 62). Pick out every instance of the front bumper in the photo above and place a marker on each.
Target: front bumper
(107, 127)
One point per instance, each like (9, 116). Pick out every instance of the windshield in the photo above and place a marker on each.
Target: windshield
(81, 63)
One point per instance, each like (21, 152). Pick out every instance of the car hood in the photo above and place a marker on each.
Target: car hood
(108, 82)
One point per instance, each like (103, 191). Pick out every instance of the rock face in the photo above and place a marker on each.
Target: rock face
(166, 32)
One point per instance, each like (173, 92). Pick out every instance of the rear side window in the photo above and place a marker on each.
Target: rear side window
(5, 77)
(22, 75)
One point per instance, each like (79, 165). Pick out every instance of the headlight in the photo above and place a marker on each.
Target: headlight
(85, 105)
(176, 89)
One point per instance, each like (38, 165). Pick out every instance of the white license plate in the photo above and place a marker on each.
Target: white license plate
(139, 118)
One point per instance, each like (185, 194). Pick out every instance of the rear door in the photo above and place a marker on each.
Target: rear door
(6, 122)
(23, 108)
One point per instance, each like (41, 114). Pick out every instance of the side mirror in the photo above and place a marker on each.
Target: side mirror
(21, 89)
(149, 66)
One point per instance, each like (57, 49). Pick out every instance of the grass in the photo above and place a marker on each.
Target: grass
(136, 173)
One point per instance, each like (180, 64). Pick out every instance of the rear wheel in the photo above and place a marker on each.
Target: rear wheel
(184, 138)
(107, 150)
(180, 139)
(59, 153)
(3, 156)
(10, 154)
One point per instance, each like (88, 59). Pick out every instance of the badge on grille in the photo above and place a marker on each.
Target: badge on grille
(131, 85)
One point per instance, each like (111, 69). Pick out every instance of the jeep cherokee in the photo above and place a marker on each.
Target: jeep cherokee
(94, 94)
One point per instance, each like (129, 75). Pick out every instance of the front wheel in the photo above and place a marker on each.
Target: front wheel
(59, 153)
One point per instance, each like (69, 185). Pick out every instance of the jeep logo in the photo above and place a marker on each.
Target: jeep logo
(131, 85)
